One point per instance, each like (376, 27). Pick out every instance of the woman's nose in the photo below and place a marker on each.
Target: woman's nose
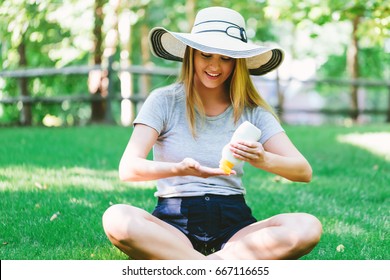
(214, 63)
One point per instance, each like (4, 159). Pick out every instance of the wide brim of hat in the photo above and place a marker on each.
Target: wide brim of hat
(171, 46)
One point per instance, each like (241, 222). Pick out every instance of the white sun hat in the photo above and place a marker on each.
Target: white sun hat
(216, 30)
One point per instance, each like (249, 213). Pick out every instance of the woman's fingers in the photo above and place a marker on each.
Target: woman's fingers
(247, 151)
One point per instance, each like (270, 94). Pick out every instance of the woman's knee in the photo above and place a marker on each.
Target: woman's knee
(304, 232)
(309, 230)
(313, 227)
(119, 221)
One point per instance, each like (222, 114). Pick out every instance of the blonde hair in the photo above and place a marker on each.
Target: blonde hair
(242, 91)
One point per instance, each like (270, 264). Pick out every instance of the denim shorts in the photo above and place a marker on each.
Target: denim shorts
(208, 221)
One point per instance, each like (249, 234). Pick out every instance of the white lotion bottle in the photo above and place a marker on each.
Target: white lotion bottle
(246, 131)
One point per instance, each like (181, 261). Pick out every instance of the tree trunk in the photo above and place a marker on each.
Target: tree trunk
(388, 108)
(126, 78)
(190, 10)
(98, 79)
(353, 68)
(145, 81)
(26, 112)
(280, 93)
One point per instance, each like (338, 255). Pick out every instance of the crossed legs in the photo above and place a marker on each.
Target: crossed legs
(284, 236)
(140, 235)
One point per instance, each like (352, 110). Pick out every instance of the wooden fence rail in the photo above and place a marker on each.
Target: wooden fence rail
(145, 70)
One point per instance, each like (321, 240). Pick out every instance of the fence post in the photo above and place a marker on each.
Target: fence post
(388, 108)
(108, 118)
(26, 108)
(280, 94)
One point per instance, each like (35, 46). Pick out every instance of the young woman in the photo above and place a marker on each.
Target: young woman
(201, 211)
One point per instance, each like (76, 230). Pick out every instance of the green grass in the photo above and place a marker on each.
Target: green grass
(73, 171)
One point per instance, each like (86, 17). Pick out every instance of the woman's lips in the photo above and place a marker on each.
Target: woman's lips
(213, 75)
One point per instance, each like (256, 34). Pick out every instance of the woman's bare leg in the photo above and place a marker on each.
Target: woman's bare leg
(140, 235)
(284, 236)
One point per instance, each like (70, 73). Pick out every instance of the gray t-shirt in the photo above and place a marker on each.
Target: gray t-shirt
(164, 110)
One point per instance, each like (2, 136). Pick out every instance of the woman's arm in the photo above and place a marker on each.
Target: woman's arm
(278, 155)
(135, 167)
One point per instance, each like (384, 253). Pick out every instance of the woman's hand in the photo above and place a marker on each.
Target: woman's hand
(252, 152)
(190, 167)
(278, 155)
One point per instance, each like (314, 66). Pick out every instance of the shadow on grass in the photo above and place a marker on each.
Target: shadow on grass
(62, 222)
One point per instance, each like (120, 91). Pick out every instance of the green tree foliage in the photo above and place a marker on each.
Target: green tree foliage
(368, 23)
(48, 43)
(314, 16)
(60, 33)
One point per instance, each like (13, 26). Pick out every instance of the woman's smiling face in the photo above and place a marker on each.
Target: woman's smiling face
(212, 70)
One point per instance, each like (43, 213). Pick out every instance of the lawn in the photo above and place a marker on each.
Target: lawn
(55, 184)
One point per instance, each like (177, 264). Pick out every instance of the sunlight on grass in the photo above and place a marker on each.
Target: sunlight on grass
(44, 178)
(340, 228)
(375, 142)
